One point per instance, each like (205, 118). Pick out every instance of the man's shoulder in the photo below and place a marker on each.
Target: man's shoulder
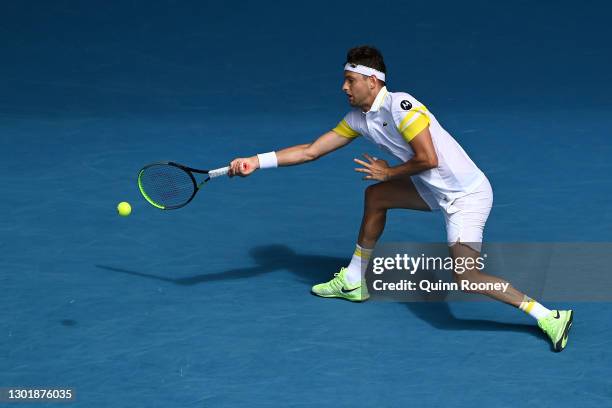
(402, 102)
(354, 114)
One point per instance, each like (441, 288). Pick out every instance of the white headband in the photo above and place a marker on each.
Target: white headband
(363, 70)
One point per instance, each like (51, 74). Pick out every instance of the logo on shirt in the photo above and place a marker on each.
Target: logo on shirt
(384, 123)
(406, 105)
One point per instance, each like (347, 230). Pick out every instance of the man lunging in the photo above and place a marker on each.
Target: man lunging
(435, 174)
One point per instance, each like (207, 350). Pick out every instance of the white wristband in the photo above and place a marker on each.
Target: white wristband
(267, 160)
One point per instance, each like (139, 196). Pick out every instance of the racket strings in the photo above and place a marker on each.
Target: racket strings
(167, 186)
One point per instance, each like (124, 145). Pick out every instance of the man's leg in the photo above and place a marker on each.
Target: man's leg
(555, 323)
(511, 296)
(384, 196)
(380, 197)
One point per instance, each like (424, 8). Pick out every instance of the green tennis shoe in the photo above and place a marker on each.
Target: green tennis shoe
(557, 325)
(338, 287)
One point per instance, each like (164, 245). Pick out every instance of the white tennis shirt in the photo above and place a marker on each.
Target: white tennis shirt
(396, 118)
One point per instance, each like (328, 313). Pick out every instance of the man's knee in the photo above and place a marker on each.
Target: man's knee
(373, 198)
(464, 279)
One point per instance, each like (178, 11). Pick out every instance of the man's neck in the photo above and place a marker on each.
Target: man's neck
(366, 107)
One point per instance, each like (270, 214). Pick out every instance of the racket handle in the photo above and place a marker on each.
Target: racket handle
(218, 172)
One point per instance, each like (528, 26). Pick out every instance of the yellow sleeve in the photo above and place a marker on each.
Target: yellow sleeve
(412, 124)
(343, 129)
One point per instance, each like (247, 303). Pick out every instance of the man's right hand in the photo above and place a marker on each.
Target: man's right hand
(243, 166)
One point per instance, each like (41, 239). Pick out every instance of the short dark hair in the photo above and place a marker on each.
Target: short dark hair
(367, 56)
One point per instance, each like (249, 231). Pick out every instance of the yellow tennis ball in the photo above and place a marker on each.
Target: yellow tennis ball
(124, 209)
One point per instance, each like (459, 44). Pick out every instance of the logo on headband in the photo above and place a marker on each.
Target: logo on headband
(406, 105)
(353, 65)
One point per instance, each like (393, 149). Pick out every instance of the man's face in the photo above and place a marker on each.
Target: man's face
(356, 87)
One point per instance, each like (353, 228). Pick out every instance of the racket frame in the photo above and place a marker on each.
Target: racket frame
(189, 170)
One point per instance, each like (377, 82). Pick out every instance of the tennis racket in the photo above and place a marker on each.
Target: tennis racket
(169, 185)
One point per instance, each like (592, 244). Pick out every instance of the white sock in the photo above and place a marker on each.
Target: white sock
(358, 264)
(533, 308)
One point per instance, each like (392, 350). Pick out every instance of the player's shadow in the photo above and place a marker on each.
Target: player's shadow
(435, 309)
(440, 316)
(269, 258)
(310, 269)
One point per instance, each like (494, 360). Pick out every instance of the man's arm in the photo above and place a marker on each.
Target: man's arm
(293, 155)
(424, 158)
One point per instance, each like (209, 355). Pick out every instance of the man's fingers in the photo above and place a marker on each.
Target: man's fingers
(367, 156)
(235, 167)
(364, 164)
(239, 167)
(362, 170)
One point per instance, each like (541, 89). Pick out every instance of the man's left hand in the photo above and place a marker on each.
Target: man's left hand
(375, 169)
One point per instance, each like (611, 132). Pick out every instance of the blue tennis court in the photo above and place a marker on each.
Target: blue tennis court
(210, 305)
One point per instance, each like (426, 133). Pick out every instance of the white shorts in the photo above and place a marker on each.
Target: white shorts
(465, 216)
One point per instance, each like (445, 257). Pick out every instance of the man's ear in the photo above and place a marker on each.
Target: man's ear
(372, 81)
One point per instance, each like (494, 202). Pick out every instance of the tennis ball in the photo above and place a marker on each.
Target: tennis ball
(124, 209)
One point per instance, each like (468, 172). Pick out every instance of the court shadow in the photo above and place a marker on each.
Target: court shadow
(435, 308)
(310, 269)
(269, 258)
(440, 316)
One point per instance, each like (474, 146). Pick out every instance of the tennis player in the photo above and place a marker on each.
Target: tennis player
(435, 174)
